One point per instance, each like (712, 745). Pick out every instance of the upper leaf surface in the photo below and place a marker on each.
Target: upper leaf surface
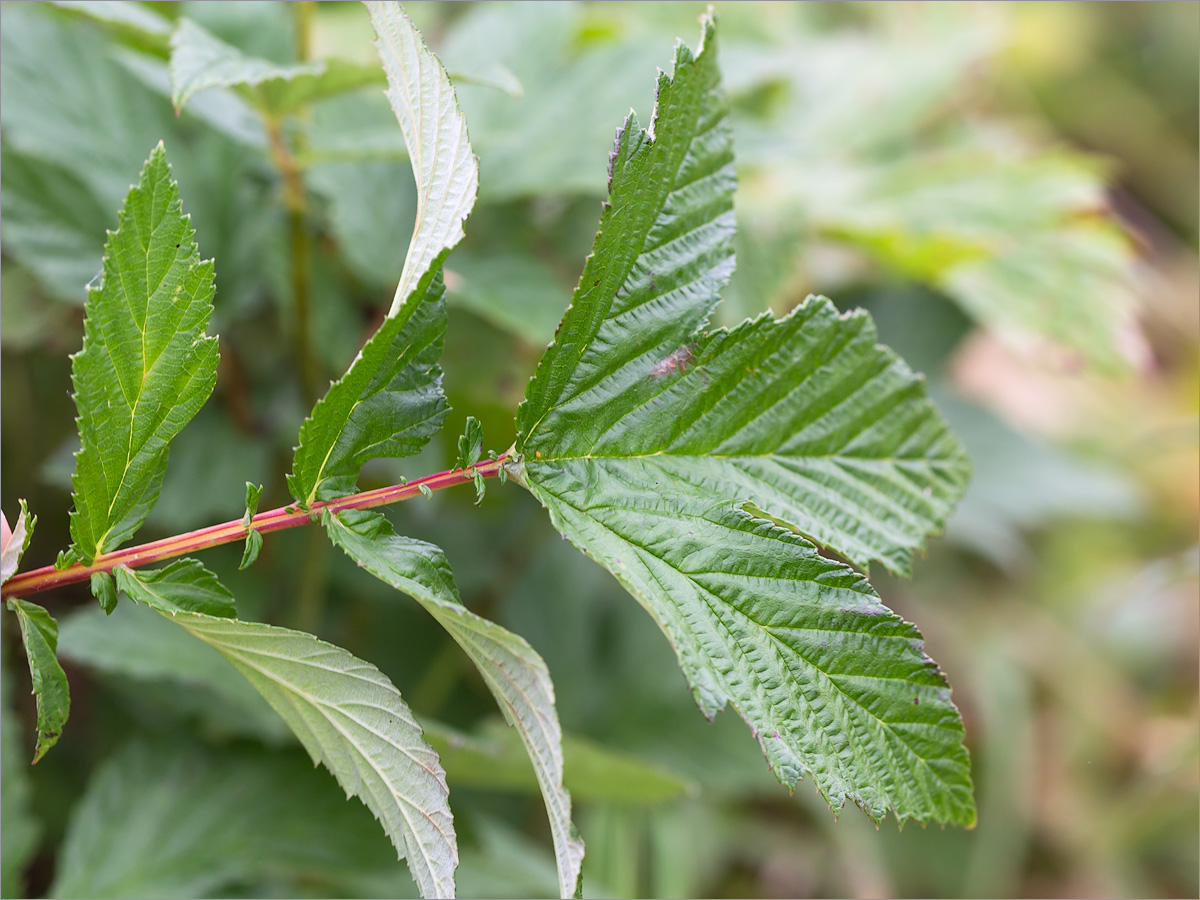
(435, 132)
(39, 633)
(513, 671)
(662, 450)
(146, 366)
(663, 251)
(389, 403)
(805, 417)
(347, 714)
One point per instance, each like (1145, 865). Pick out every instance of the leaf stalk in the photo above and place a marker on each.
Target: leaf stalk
(289, 516)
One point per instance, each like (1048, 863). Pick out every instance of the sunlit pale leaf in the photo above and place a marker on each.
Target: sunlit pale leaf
(435, 132)
(146, 366)
(512, 670)
(345, 712)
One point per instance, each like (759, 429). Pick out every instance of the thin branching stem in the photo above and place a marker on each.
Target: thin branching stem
(291, 516)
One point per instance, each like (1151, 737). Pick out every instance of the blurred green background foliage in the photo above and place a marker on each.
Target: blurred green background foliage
(1011, 189)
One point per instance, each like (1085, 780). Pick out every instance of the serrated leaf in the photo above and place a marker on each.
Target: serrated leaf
(389, 402)
(104, 590)
(649, 439)
(470, 444)
(254, 542)
(345, 712)
(184, 585)
(39, 633)
(140, 645)
(435, 132)
(18, 543)
(146, 366)
(512, 670)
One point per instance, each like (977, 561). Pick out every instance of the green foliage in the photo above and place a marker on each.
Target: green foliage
(39, 633)
(389, 403)
(649, 440)
(514, 673)
(344, 711)
(714, 471)
(146, 366)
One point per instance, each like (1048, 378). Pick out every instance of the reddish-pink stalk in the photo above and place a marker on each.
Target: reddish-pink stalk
(290, 516)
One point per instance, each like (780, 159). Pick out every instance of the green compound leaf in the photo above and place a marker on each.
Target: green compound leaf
(694, 465)
(146, 366)
(345, 712)
(18, 543)
(435, 132)
(39, 633)
(200, 60)
(513, 671)
(389, 403)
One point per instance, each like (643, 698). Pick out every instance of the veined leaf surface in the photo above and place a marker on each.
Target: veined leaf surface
(389, 402)
(435, 132)
(146, 366)
(694, 465)
(39, 633)
(513, 671)
(345, 712)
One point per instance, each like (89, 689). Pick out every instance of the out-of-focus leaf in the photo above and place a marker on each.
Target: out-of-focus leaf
(162, 820)
(389, 403)
(514, 291)
(18, 543)
(52, 224)
(1021, 483)
(200, 61)
(67, 105)
(512, 670)
(137, 643)
(39, 633)
(545, 142)
(495, 759)
(19, 828)
(134, 23)
(347, 714)
(435, 132)
(146, 366)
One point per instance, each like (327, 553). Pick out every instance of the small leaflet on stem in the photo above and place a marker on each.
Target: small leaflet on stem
(470, 444)
(254, 540)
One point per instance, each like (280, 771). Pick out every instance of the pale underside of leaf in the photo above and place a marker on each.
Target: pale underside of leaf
(513, 671)
(39, 634)
(350, 717)
(389, 402)
(146, 366)
(435, 132)
(833, 684)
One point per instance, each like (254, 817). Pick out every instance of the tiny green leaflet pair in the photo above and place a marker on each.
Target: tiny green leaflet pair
(702, 467)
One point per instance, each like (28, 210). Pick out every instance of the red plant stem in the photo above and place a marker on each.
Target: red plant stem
(290, 516)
